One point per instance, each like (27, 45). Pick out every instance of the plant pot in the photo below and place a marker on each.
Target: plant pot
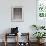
(40, 41)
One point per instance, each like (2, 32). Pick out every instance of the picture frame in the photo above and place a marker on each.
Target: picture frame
(17, 14)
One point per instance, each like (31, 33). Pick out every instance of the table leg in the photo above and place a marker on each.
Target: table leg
(5, 40)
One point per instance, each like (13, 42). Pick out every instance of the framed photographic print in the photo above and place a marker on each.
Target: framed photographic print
(17, 14)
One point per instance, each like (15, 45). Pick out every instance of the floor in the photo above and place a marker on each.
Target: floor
(13, 44)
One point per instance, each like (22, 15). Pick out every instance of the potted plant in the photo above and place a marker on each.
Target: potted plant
(42, 27)
(38, 27)
(39, 35)
(35, 26)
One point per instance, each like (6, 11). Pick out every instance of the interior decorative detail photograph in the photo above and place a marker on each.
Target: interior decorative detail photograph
(22, 22)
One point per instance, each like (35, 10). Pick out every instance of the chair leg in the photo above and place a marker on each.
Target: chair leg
(5, 43)
(5, 40)
(17, 40)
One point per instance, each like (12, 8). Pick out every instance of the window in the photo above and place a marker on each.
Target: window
(41, 8)
(41, 12)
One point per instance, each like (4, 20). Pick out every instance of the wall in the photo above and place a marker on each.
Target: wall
(29, 7)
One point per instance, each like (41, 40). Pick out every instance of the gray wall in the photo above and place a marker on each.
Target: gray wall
(29, 8)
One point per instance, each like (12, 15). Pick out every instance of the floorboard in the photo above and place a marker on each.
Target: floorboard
(13, 44)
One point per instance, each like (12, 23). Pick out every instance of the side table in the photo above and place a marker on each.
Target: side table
(8, 34)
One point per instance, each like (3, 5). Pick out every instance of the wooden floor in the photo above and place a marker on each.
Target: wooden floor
(13, 44)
